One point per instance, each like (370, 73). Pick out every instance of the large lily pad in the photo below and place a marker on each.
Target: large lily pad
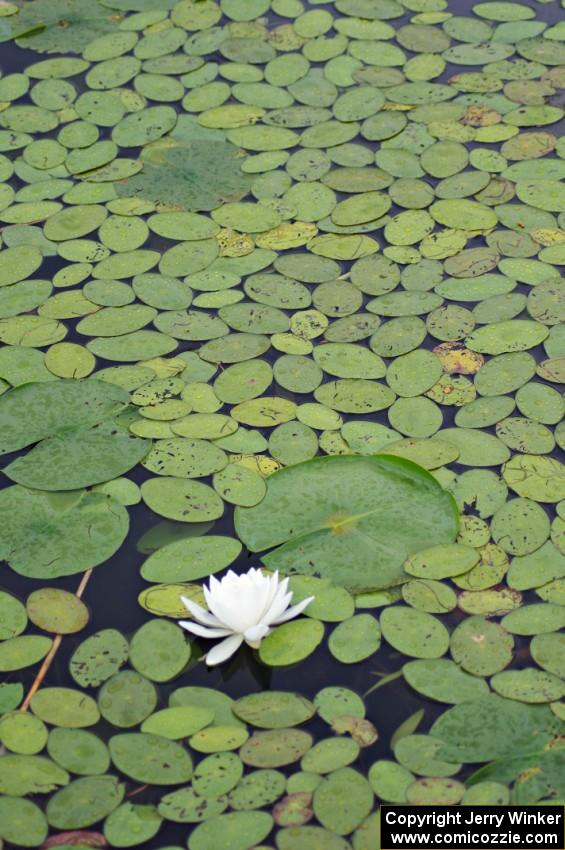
(48, 409)
(198, 175)
(493, 727)
(79, 459)
(354, 520)
(63, 26)
(46, 536)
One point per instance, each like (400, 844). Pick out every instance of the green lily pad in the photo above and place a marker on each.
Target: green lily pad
(23, 733)
(22, 822)
(77, 531)
(310, 838)
(187, 806)
(342, 801)
(257, 789)
(199, 697)
(493, 727)
(185, 501)
(159, 650)
(98, 657)
(84, 802)
(187, 560)
(11, 695)
(419, 753)
(414, 633)
(442, 561)
(534, 619)
(39, 410)
(177, 722)
(481, 647)
(219, 739)
(330, 754)
(150, 758)
(274, 709)
(54, 610)
(30, 774)
(535, 477)
(443, 680)
(126, 699)
(355, 639)
(291, 642)
(78, 751)
(275, 748)
(240, 829)
(217, 774)
(528, 685)
(331, 602)
(164, 600)
(173, 173)
(14, 616)
(65, 707)
(344, 520)
(131, 824)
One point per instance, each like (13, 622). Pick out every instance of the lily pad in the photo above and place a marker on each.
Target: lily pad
(240, 829)
(65, 707)
(22, 822)
(159, 650)
(150, 758)
(414, 633)
(84, 802)
(443, 680)
(187, 560)
(274, 709)
(77, 531)
(98, 657)
(55, 610)
(324, 519)
(291, 642)
(355, 639)
(173, 174)
(275, 748)
(39, 410)
(493, 727)
(343, 801)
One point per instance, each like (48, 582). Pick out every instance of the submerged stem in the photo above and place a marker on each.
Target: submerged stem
(48, 660)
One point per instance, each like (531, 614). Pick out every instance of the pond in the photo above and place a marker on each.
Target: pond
(280, 289)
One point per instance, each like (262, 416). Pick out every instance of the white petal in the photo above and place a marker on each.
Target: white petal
(200, 613)
(280, 603)
(274, 590)
(223, 650)
(202, 631)
(228, 609)
(255, 635)
(294, 611)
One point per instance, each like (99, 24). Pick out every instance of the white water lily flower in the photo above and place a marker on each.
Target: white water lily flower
(241, 608)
